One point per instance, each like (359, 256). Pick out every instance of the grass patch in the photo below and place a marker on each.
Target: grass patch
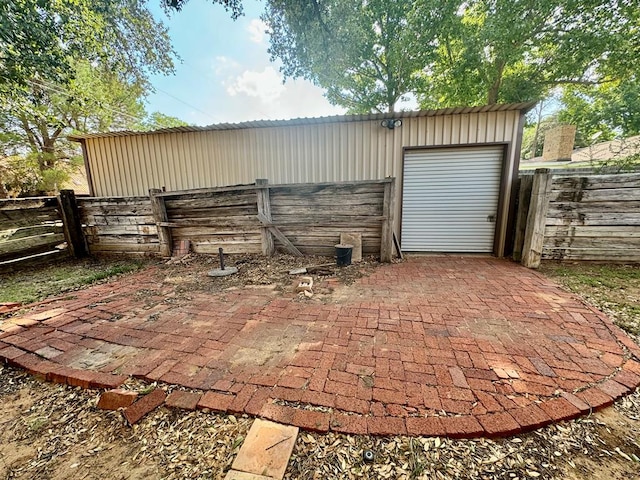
(615, 289)
(36, 284)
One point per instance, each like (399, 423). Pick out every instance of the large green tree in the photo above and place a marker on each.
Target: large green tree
(517, 50)
(609, 110)
(73, 66)
(39, 39)
(366, 55)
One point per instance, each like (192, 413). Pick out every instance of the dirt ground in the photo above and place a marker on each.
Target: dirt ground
(190, 273)
(50, 431)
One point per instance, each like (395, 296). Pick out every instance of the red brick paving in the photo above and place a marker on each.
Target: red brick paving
(497, 348)
(145, 405)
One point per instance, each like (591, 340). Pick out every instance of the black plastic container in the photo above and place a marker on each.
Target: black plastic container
(343, 255)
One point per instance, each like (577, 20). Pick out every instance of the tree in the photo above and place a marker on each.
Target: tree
(72, 66)
(517, 50)
(158, 120)
(367, 55)
(452, 52)
(232, 6)
(36, 128)
(40, 38)
(609, 110)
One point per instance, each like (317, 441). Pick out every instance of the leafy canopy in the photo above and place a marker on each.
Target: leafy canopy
(72, 66)
(40, 38)
(369, 54)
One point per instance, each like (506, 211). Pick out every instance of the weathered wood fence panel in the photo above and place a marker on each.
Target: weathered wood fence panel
(215, 219)
(312, 217)
(119, 225)
(297, 218)
(595, 218)
(30, 231)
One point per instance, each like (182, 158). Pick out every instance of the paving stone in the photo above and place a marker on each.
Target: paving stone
(530, 417)
(351, 424)
(183, 400)
(218, 402)
(595, 398)
(627, 378)
(267, 449)
(106, 380)
(421, 426)
(461, 427)
(145, 405)
(498, 424)
(613, 389)
(560, 409)
(115, 399)
(311, 420)
(10, 353)
(386, 426)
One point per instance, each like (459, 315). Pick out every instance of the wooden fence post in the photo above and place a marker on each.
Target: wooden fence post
(524, 200)
(160, 216)
(71, 224)
(264, 209)
(536, 218)
(388, 208)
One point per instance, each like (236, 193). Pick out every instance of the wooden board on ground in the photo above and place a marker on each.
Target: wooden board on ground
(267, 449)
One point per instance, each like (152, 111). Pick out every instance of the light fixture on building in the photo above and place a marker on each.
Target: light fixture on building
(391, 123)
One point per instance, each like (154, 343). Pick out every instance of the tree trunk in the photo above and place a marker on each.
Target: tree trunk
(494, 89)
(534, 147)
(3, 191)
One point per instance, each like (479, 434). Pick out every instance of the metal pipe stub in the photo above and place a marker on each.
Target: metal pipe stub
(222, 271)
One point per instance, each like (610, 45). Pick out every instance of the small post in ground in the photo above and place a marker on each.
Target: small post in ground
(388, 209)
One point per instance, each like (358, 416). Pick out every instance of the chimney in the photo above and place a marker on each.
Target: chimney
(558, 143)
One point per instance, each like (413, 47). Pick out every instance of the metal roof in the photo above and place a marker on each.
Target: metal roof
(313, 120)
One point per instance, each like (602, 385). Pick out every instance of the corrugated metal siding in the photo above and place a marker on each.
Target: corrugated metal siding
(447, 196)
(363, 150)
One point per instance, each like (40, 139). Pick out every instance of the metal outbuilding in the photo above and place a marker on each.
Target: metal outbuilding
(455, 167)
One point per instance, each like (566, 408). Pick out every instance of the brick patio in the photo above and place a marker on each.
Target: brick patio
(438, 345)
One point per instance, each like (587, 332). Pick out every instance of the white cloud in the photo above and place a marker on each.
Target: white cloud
(265, 85)
(222, 65)
(257, 30)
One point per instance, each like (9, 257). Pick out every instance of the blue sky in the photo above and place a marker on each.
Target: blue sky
(225, 74)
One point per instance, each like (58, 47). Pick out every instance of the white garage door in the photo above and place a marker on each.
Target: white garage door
(450, 199)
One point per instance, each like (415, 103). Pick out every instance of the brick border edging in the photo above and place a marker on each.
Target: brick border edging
(258, 402)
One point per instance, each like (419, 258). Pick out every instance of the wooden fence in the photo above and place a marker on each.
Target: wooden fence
(298, 218)
(594, 218)
(123, 225)
(30, 231)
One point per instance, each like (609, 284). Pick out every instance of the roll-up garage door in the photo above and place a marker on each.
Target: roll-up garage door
(450, 199)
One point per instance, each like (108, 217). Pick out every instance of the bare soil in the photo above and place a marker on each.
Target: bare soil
(190, 272)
